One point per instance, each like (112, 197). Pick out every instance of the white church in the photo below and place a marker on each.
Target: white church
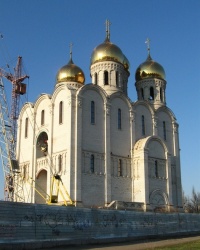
(103, 146)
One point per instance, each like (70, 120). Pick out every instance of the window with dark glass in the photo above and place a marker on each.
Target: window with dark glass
(143, 125)
(95, 78)
(92, 112)
(164, 131)
(60, 161)
(119, 167)
(142, 93)
(117, 79)
(42, 117)
(60, 112)
(105, 77)
(151, 93)
(92, 163)
(119, 119)
(156, 168)
(161, 94)
(26, 127)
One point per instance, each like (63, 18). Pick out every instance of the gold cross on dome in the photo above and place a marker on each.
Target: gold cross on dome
(70, 49)
(148, 45)
(108, 23)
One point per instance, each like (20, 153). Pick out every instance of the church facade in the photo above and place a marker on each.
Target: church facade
(103, 146)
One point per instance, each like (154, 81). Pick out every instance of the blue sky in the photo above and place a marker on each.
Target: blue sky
(41, 31)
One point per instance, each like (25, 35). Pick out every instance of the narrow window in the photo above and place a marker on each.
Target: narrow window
(60, 112)
(119, 119)
(143, 125)
(60, 163)
(117, 79)
(151, 93)
(92, 112)
(164, 131)
(95, 78)
(161, 95)
(156, 169)
(26, 128)
(142, 93)
(120, 167)
(42, 117)
(105, 77)
(92, 163)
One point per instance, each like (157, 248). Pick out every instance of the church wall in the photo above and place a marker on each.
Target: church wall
(121, 188)
(139, 186)
(120, 137)
(157, 165)
(45, 104)
(121, 181)
(62, 137)
(141, 110)
(93, 134)
(164, 117)
(93, 189)
(25, 142)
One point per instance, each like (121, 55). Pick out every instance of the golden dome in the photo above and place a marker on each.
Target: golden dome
(149, 69)
(126, 63)
(70, 73)
(108, 51)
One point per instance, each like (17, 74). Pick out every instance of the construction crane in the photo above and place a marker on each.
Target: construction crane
(8, 128)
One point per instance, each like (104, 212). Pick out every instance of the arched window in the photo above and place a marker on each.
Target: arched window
(120, 167)
(60, 162)
(60, 112)
(117, 78)
(142, 93)
(119, 119)
(95, 78)
(42, 117)
(26, 127)
(105, 77)
(164, 131)
(92, 163)
(151, 97)
(143, 125)
(92, 118)
(156, 168)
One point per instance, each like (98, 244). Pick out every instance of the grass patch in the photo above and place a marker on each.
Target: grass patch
(184, 246)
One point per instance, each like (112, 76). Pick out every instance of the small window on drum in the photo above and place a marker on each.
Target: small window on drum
(151, 97)
(106, 77)
(95, 78)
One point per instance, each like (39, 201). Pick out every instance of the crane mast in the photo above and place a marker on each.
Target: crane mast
(8, 129)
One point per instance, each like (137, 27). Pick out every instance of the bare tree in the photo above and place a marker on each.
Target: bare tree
(195, 201)
(192, 204)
